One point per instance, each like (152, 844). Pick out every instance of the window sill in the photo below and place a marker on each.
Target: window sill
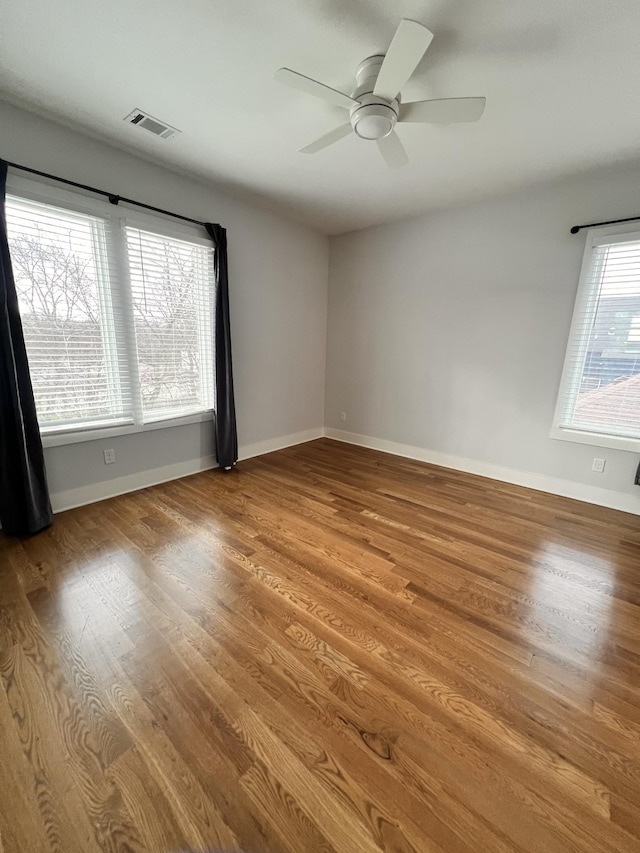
(611, 441)
(80, 435)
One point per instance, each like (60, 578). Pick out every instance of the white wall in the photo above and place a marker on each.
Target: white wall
(278, 273)
(447, 333)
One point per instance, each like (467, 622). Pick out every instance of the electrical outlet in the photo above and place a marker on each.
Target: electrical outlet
(109, 457)
(598, 465)
(343, 416)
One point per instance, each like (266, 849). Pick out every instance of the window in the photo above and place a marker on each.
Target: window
(117, 317)
(599, 400)
(171, 297)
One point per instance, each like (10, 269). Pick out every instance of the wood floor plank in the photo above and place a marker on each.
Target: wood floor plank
(328, 649)
(31, 823)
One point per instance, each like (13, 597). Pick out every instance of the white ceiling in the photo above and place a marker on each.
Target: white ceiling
(561, 77)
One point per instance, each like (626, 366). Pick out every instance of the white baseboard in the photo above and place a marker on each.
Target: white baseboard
(132, 482)
(271, 444)
(539, 482)
(94, 492)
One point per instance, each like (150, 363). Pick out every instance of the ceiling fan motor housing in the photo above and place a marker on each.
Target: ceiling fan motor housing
(373, 117)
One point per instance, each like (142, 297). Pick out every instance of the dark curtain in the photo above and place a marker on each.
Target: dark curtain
(225, 415)
(24, 497)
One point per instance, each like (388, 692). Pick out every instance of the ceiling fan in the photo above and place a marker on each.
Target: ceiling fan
(375, 105)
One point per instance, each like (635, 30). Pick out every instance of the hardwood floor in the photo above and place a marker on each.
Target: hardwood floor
(329, 649)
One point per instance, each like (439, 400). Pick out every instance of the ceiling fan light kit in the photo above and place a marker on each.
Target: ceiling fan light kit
(371, 117)
(373, 121)
(375, 106)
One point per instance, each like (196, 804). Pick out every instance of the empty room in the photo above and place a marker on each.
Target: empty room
(319, 426)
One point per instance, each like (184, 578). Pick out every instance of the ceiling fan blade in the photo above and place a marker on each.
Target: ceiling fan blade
(392, 151)
(312, 87)
(327, 139)
(443, 110)
(407, 48)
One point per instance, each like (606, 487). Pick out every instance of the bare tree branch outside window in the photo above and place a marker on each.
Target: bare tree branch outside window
(166, 312)
(59, 306)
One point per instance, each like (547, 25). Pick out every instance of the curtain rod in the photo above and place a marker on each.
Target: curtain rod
(113, 198)
(577, 228)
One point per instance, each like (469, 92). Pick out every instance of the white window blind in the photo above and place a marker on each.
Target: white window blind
(600, 391)
(118, 321)
(64, 287)
(171, 296)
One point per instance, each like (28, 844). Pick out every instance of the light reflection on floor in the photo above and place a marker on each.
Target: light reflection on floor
(574, 588)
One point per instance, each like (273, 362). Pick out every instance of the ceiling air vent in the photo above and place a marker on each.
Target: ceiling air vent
(153, 125)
